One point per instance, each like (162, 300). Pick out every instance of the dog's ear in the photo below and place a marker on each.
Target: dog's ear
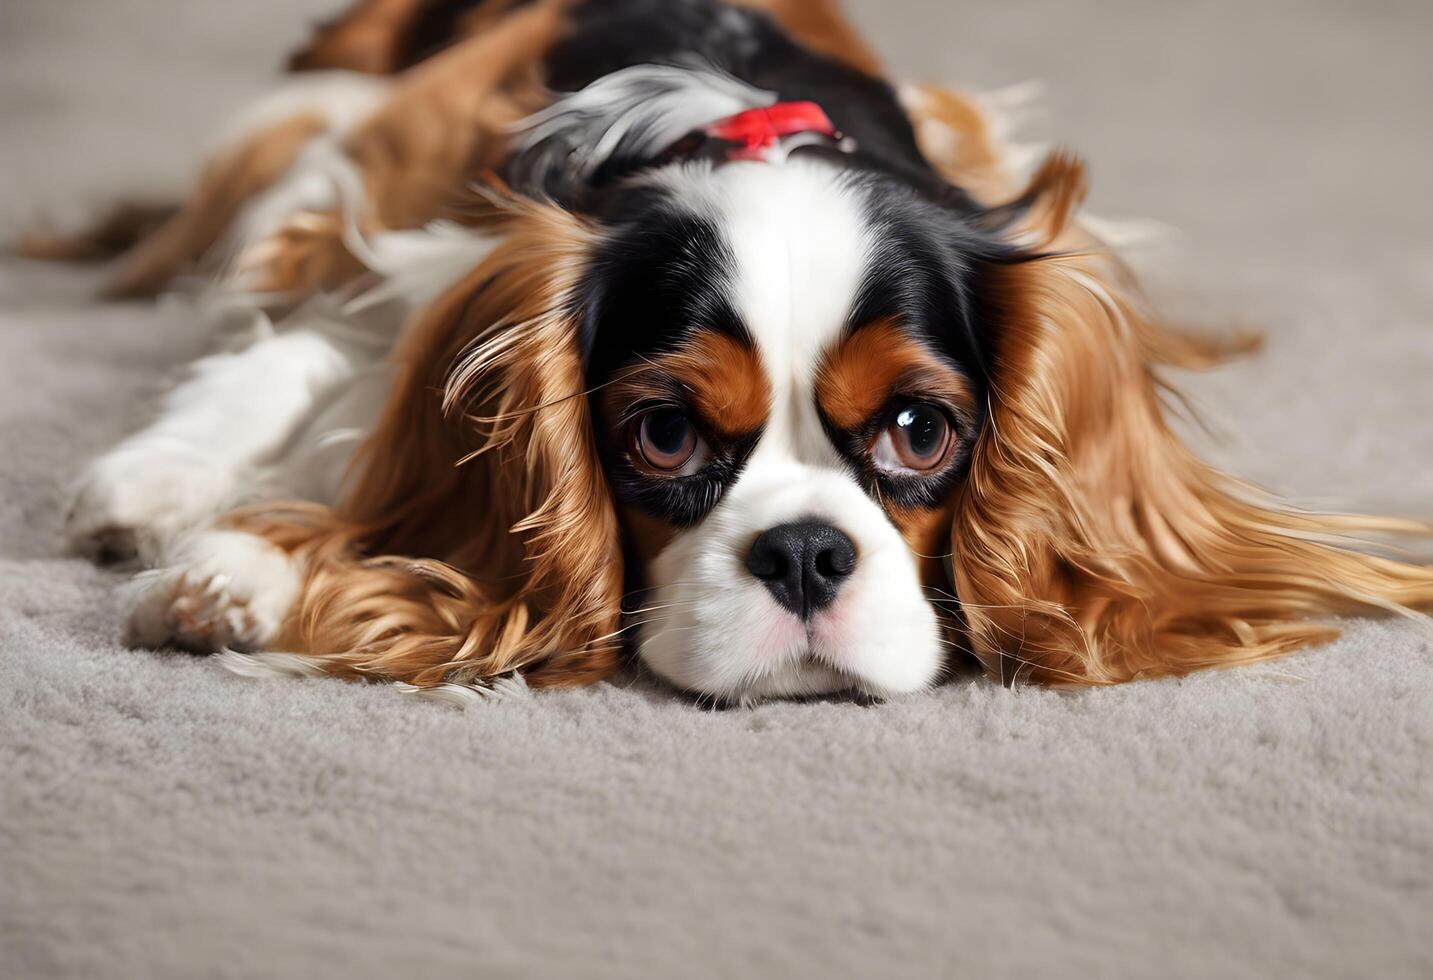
(1088, 544)
(484, 466)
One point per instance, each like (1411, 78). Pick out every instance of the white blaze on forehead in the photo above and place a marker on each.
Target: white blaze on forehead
(800, 244)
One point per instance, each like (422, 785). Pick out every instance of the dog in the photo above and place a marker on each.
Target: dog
(673, 328)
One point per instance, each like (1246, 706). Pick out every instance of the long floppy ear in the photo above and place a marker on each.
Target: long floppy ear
(480, 536)
(1089, 545)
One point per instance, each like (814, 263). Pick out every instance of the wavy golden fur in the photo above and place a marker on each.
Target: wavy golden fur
(1088, 544)
(484, 464)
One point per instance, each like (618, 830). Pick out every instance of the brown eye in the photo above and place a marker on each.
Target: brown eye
(668, 443)
(917, 439)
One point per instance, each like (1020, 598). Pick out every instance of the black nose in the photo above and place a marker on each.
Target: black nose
(803, 564)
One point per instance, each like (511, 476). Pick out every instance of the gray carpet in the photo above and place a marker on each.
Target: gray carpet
(162, 818)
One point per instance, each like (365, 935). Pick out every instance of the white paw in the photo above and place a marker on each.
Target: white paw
(225, 590)
(141, 496)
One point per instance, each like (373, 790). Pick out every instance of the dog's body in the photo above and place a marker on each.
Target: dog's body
(733, 330)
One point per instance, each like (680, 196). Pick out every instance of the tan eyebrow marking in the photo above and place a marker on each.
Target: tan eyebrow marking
(716, 374)
(858, 375)
(855, 381)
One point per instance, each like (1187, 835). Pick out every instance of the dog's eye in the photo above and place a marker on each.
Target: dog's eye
(917, 439)
(667, 441)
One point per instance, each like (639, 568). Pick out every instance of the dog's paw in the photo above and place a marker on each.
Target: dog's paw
(305, 254)
(226, 590)
(133, 501)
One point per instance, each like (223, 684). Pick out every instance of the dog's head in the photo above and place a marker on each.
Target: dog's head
(787, 374)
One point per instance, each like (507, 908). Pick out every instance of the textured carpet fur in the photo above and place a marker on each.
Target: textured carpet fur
(160, 817)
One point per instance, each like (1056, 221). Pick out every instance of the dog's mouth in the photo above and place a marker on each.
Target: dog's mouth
(806, 677)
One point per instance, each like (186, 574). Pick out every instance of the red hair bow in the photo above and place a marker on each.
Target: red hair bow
(756, 130)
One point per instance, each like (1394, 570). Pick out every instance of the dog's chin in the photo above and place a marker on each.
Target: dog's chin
(805, 678)
(788, 660)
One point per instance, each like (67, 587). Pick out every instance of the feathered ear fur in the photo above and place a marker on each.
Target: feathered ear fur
(484, 464)
(1089, 545)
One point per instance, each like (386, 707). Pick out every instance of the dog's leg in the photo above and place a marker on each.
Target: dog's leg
(436, 567)
(102, 237)
(216, 435)
(224, 590)
(271, 139)
(156, 250)
(226, 184)
(446, 119)
(221, 586)
(228, 583)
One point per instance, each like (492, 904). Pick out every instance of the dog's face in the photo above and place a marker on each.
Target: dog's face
(786, 385)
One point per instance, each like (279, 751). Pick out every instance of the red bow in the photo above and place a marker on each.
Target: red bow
(756, 130)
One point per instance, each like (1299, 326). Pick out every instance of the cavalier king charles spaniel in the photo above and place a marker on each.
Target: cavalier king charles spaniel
(672, 327)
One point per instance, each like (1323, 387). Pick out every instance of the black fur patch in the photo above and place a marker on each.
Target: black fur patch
(609, 35)
(660, 275)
